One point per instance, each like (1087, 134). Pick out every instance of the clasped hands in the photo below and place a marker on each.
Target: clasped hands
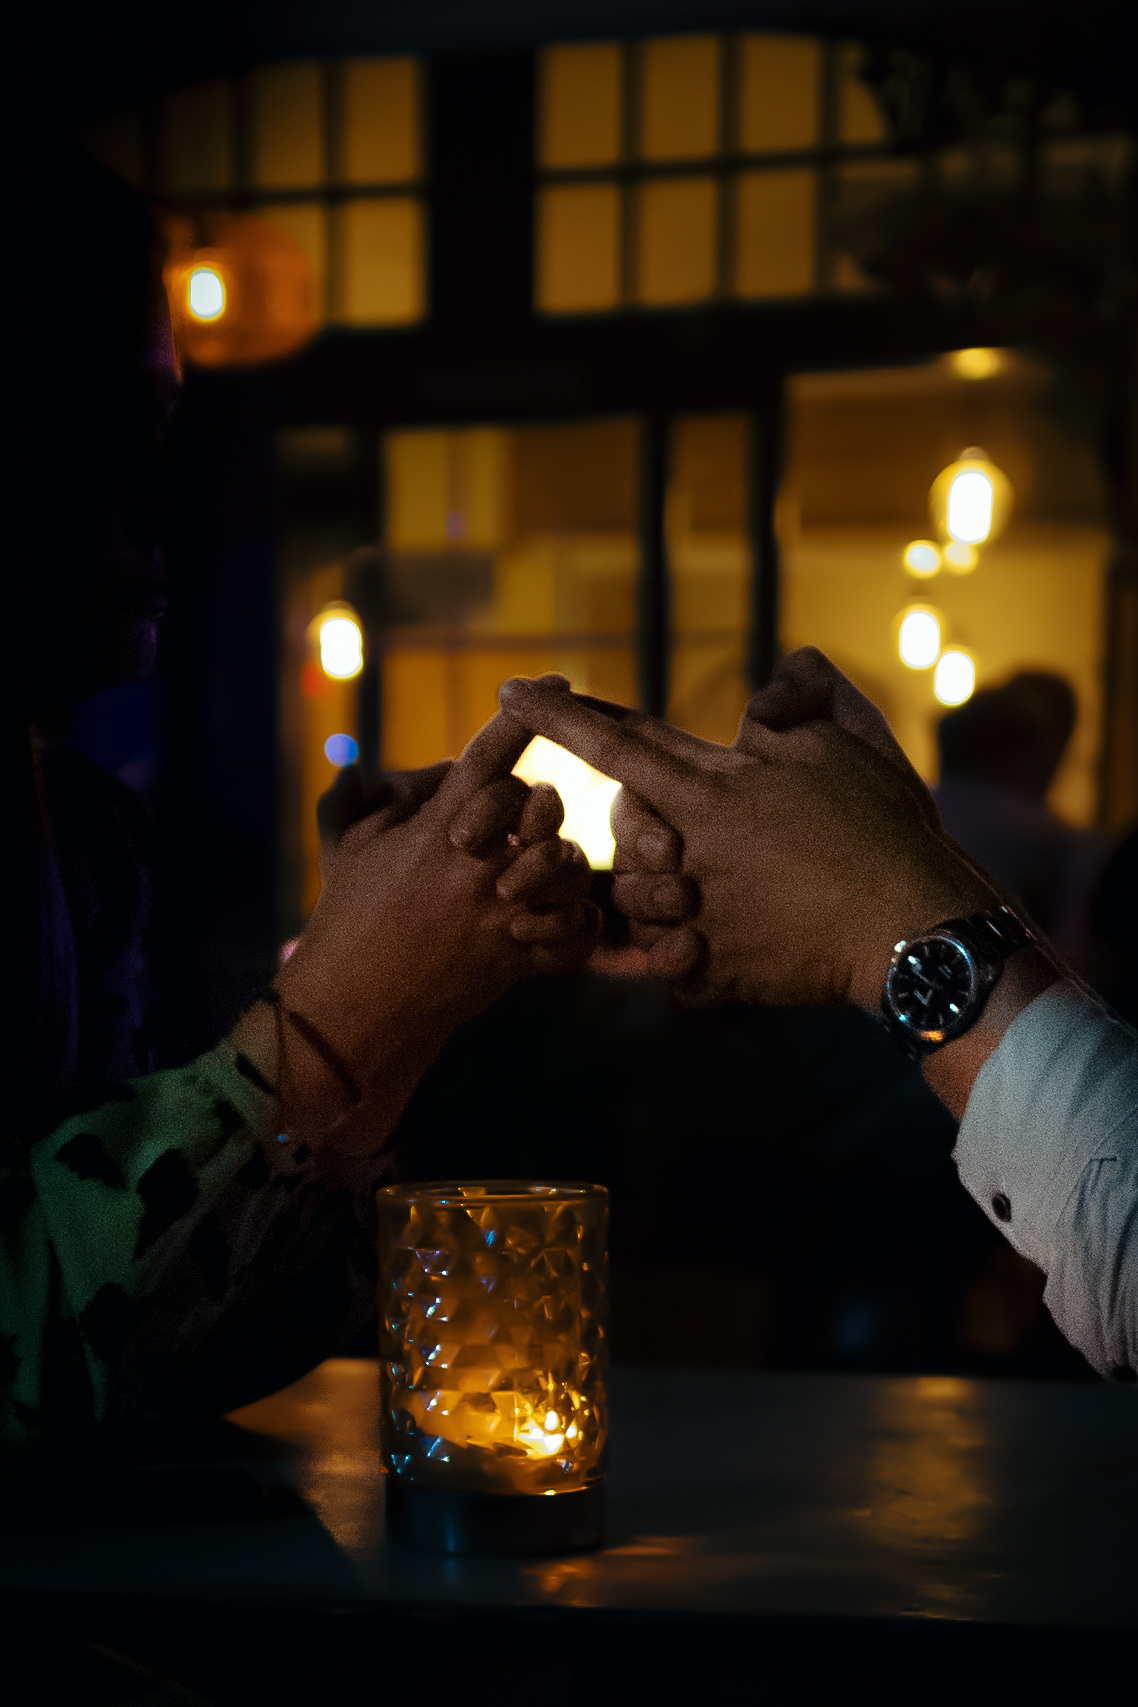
(781, 869)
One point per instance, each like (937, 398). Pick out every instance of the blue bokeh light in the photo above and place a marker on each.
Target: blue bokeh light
(341, 750)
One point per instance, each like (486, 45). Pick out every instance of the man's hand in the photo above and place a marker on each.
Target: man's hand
(805, 687)
(811, 847)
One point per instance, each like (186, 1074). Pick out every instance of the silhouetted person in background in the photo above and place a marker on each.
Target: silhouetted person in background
(999, 753)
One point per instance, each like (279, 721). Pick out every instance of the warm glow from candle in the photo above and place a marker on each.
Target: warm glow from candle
(586, 795)
(493, 1336)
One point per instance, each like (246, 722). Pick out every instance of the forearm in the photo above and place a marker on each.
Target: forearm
(1048, 1147)
(1045, 1086)
(342, 1099)
(200, 1258)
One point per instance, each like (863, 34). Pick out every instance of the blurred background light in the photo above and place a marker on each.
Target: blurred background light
(341, 750)
(586, 795)
(969, 500)
(919, 638)
(969, 515)
(341, 645)
(960, 558)
(241, 290)
(922, 557)
(977, 363)
(955, 677)
(206, 294)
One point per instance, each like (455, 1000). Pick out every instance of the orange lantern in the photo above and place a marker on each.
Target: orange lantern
(241, 291)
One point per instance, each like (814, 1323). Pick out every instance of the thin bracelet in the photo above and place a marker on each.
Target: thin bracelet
(316, 1041)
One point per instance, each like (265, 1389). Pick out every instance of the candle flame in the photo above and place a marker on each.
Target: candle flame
(502, 1420)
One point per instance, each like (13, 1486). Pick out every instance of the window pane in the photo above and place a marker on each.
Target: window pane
(287, 113)
(579, 105)
(510, 550)
(381, 121)
(678, 220)
(196, 139)
(578, 248)
(778, 97)
(860, 116)
(776, 242)
(709, 563)
(679, 98)
(307, 224)
(382, 262)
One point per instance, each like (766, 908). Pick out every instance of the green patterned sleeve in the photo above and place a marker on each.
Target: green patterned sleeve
(170, 1252)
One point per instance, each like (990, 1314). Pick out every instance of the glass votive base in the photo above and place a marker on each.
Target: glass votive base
(446, 1520)
(493, 1356)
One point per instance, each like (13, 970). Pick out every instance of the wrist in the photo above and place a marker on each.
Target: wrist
(911, 912)
(952, 1069)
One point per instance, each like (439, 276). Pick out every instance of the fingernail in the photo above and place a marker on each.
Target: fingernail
(652, 845)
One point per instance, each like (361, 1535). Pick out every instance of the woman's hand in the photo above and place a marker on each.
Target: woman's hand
(441, 889)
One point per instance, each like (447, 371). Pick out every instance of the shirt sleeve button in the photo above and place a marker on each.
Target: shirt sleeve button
(1001, 1207)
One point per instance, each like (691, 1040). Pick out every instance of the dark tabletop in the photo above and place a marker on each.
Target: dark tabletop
(801, 1502)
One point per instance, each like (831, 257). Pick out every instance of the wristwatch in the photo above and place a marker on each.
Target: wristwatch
(937, 984)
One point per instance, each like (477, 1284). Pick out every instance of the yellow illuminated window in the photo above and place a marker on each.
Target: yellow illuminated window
(617, 225)
(196, 139)
(381, 123)
(579, 105)
(418, 489)
(578, 248)
(775, 233)
(287, 126)
(860, 117)
(382, 261)
(676, 240)
(510, 550)
(307, 224)
(778, 95)
(679, 100)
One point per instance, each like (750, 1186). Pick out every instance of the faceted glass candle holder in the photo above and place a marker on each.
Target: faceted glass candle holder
(493, 1317)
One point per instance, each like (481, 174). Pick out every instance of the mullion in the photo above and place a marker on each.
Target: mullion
(653, 600)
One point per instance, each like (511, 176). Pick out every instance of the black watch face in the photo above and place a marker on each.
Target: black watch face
(931, 987)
